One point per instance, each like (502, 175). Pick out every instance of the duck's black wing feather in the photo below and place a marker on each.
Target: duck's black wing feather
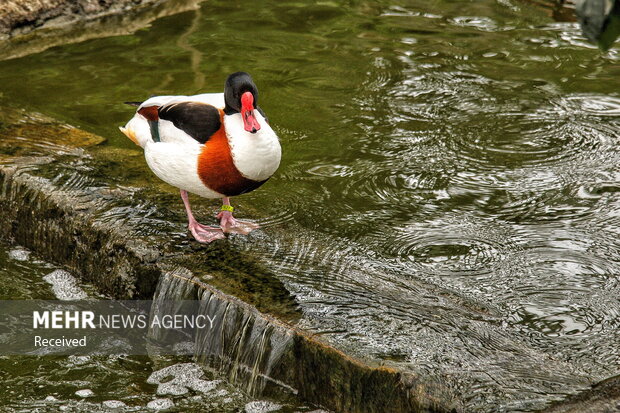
(198, 120)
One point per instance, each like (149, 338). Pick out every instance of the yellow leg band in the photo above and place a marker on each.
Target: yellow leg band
(228, 208)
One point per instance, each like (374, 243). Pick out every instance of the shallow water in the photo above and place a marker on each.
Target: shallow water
(434, 153)
(103, 383)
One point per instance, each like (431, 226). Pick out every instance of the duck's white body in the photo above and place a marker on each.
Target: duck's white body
(175, 158)
(214, 145)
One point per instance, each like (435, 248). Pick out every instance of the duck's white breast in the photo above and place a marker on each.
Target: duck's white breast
(256, 155)
(177, 165)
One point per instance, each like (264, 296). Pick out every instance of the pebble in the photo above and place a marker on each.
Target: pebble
(185, 376)
(160, 404)
(50, 399)
(85, 393)
(65, 286)
(113, 404)
(19, 254)
(261, 406)
(79, 360)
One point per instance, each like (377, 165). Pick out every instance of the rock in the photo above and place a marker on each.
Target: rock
(32, 13)
(261, 406)
(65, 286)
(113, 404)
(85, 393)
(31, 26)
(26, 132)
(19, 254)
(160, 404)
(179, 378)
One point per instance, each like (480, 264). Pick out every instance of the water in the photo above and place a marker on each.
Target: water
(242, 346)
(448, 196)
(99, 383)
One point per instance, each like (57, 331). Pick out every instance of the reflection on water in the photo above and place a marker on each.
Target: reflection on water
(448, 194)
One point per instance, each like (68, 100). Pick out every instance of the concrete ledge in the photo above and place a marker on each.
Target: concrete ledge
(65, 206)
(56, 225)
(303, 364)
(21, 16)
(603, 397)
(31, 26)
(60, 227)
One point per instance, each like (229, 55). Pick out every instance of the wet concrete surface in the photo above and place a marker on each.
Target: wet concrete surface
(28, 26)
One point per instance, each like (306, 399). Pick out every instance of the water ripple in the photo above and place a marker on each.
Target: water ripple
(445, 254)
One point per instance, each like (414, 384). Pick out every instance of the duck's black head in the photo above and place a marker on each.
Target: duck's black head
(241, 96)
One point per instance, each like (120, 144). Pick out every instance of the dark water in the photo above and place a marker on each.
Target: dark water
(449, 186)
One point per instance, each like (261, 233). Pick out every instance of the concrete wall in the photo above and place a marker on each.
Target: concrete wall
(31, 26)
(22, 16)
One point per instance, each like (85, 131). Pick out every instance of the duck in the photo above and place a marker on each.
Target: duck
(214, 145)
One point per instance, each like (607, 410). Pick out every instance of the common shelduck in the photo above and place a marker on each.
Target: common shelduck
(215, 145)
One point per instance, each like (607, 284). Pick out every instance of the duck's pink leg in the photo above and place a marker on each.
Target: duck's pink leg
(202, 233)
(228, 223)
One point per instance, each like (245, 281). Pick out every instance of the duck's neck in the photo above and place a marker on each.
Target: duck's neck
(228, 110)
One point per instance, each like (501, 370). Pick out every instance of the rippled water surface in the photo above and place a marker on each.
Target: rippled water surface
(448, 197)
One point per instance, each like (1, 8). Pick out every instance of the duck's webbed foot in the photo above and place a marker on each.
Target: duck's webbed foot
(205, 233)
(202, 233)
(229, 224)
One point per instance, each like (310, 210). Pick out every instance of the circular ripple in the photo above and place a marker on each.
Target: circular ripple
(557, 294)
(283, 208)
(451, 255)
(527, 140)
(328, 170)
(466, 250)
(561, 131)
